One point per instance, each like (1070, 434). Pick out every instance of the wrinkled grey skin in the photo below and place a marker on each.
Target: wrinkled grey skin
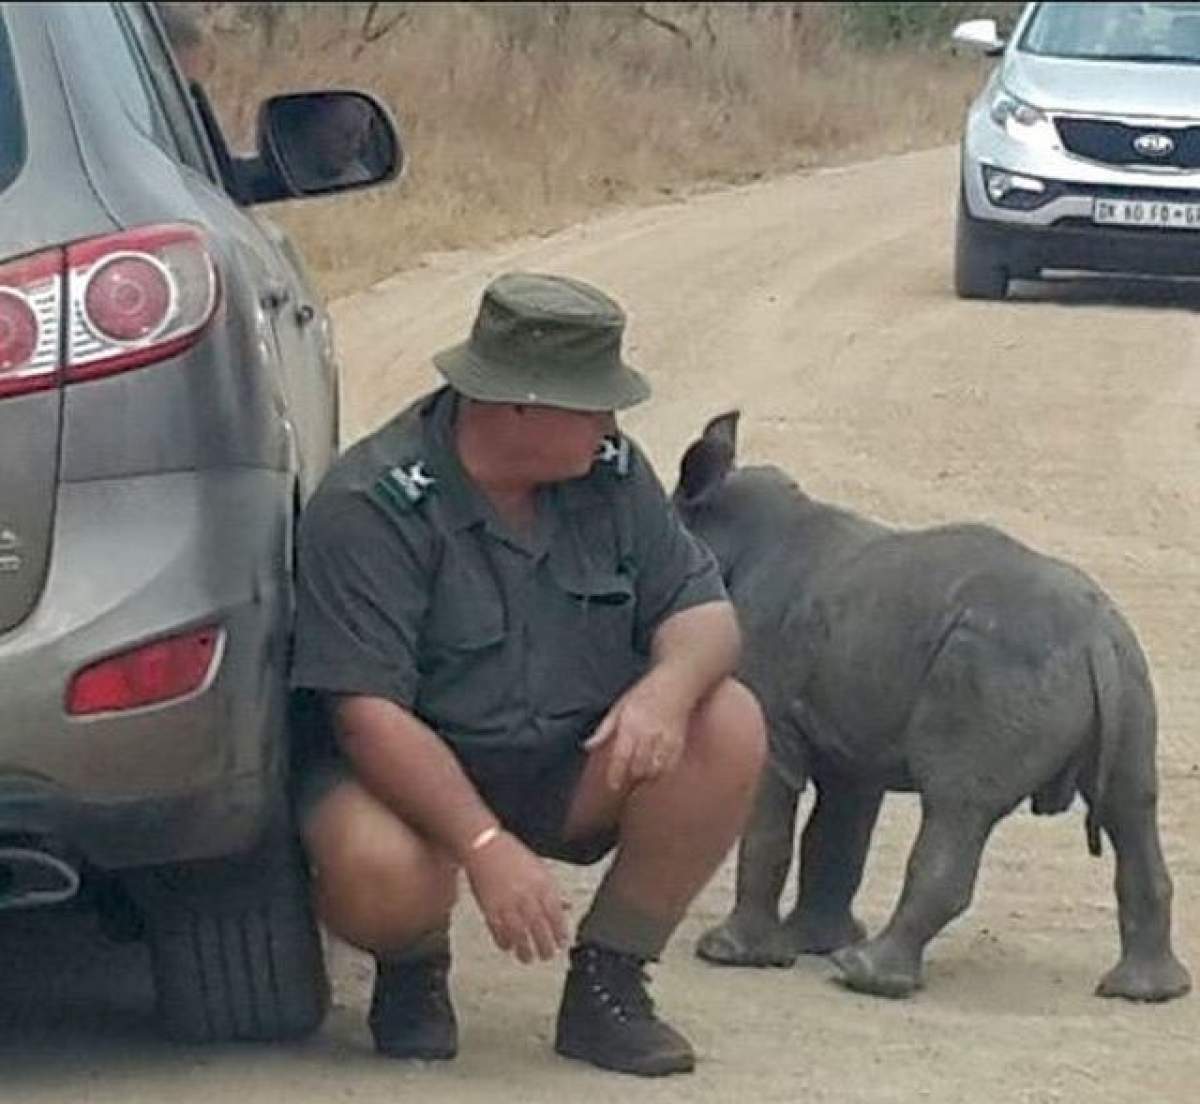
(953, 662)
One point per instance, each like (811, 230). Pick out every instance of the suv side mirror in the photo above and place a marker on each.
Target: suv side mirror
(979, 34)
(323, 142)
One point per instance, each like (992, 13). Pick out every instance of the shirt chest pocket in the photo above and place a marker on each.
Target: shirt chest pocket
(465, 663)
(594, 615)
(466, 614)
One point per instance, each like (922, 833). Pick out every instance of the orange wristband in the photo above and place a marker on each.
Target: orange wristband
(488, 835)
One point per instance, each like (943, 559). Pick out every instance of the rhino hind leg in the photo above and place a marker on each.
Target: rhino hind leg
(1148, 969)
(832, 855)
(938, 884)
(752, 934)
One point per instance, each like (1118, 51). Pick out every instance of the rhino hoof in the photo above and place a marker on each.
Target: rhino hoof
(738, 944)
(1148, 980)
(866, 972)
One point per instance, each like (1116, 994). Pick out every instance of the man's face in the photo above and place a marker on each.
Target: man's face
(560, 444)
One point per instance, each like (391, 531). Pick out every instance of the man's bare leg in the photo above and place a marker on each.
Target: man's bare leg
(383, 888)
(674, 831)
(378, 885)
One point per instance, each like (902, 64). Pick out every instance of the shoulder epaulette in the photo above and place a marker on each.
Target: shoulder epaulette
(405, 486)
(614, 453)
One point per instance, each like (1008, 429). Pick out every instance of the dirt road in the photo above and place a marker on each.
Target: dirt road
(820, 305)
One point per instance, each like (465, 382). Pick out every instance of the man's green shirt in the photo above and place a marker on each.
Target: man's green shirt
(411, 589)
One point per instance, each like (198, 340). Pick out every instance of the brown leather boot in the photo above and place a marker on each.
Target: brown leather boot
(411, 1015)
(607, 1017)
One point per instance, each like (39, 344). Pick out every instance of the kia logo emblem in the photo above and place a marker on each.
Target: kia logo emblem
(1154, 145)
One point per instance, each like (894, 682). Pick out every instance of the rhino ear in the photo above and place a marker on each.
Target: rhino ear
(724, 427)
(710, 459)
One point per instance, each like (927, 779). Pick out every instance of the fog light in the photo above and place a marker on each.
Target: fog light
(1006, 189)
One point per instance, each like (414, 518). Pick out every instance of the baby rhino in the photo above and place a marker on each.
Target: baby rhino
(953, 662)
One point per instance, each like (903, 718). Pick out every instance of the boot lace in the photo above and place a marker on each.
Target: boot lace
(619, 982)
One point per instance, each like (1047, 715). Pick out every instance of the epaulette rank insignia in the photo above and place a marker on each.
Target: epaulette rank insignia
(404, 487)
(614, 451)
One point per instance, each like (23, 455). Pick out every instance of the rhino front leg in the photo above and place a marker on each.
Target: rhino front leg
(832, 855)
(1148, 969)
(752, 935)
(938, 885)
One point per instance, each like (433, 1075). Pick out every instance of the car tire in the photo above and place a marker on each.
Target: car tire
(235, 951)
(980, 271)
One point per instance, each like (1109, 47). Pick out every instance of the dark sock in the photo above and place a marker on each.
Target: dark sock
(620, 926)
(433, 944)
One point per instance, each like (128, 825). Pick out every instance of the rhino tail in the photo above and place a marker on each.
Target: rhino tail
(1106, 689)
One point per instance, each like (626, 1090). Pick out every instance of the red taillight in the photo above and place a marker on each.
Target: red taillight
(150, 675)
(129, 299)
(18, 330)
(137, 297)
(30, 313)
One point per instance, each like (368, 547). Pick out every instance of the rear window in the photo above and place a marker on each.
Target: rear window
(12, 127)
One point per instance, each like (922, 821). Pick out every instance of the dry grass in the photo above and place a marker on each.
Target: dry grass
(520, 118)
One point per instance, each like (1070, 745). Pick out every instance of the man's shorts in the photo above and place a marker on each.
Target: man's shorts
(530, 792)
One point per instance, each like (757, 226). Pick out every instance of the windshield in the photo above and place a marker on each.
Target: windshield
(12, 128)
(1163, 32)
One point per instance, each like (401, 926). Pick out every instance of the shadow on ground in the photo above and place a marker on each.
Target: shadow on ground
(1109, 291)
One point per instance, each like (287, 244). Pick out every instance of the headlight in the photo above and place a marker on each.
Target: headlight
(1022, 121)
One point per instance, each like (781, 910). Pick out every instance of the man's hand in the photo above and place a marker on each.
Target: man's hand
(519, 899)
(647, 727)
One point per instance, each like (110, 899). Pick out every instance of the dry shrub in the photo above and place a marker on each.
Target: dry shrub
(520, 118)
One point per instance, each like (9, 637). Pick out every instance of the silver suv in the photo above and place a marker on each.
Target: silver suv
(1083, 150)
(168, 400)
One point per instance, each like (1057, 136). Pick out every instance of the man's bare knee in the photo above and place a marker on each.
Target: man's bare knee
(728, 730)
(377, 882)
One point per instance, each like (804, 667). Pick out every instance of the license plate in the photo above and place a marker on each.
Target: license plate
(1146, 212)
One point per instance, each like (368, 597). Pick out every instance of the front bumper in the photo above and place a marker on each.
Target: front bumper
(134, 560)
(1076, 181)
(1028, 250)
(1060, 232)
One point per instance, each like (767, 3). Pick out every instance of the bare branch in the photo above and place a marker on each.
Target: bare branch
(371, 33)
(665, 24)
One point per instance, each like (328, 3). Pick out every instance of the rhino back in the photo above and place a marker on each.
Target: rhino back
(869, 626)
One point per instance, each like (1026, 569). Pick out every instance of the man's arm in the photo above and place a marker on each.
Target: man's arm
(363, 593)
(690, 628)
(406, 766)
(411, 770)
(691, 653)
(693, 650)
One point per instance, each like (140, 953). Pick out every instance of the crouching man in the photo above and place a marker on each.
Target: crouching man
(522, 654)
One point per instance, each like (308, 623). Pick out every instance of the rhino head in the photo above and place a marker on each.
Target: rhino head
(742, 514)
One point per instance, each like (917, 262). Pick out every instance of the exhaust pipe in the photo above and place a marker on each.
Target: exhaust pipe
(31, 877)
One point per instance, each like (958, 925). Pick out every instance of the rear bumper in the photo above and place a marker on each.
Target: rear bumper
(225, 817)
(134, 560)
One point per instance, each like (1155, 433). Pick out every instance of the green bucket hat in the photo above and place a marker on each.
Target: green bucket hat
(546, 341)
